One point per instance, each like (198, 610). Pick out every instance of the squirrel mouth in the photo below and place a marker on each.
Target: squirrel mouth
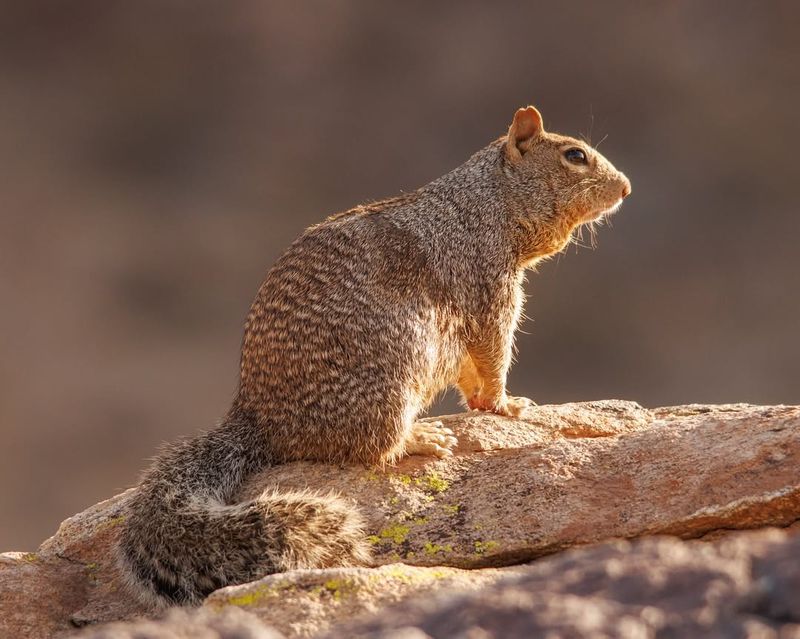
(613, 208)
(604, 212)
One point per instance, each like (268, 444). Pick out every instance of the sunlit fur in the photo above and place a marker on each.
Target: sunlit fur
(355, 330)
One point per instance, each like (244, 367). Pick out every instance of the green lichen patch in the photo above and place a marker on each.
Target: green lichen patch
(396, 533)
(246, 599)
(435, 549)
(336, 588)
(434, 482)
(111, 522)
(340, 588)
(406, 575)
(451, 509)
(430, 482)
(482, 547)
(257, 595)
(371, 475)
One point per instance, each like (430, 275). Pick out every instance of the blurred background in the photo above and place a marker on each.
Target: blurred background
(158, 155)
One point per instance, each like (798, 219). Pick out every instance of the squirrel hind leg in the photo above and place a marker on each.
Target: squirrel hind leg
(430, 438)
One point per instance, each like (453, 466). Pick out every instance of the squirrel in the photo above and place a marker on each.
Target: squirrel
(357, 327)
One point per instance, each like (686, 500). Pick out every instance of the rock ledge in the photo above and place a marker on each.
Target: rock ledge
(561, 476)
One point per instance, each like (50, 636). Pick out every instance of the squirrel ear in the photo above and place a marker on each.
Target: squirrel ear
(526, 126)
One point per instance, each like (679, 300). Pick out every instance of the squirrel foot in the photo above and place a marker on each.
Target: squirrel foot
(517, 405)
(430, 438)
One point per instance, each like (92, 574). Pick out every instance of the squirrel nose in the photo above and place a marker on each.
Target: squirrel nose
(626, 187)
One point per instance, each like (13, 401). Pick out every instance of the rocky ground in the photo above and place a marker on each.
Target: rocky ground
(483, 544)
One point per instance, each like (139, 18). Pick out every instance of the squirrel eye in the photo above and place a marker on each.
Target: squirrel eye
(576, 156)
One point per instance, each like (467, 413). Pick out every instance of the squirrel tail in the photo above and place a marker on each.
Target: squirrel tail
(182, 538)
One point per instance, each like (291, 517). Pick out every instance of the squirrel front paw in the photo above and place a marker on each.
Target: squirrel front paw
(508, 406)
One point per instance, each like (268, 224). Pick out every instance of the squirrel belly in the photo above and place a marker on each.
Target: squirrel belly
(356, 328)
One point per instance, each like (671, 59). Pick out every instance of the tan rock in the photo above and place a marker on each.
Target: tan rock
(70, 581)
(516, 490)
(745, 586)
(302, 603)
(574, 474)
(203, 623)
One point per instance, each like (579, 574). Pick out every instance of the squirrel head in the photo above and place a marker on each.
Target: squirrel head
(558, 183)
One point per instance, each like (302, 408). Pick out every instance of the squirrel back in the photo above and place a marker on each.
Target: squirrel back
(356, 328)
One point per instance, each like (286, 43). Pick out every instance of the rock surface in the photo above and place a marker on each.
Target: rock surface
(744, 586)
(303, 603)
(516, 490)
(231, 623)
(747, 585)
(574, 474)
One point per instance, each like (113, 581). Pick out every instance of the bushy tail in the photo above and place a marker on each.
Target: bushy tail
(182, 539)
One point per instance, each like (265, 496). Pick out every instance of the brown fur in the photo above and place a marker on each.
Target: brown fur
(356, 328)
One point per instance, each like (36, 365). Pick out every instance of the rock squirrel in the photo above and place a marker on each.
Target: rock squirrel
(356, 328)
